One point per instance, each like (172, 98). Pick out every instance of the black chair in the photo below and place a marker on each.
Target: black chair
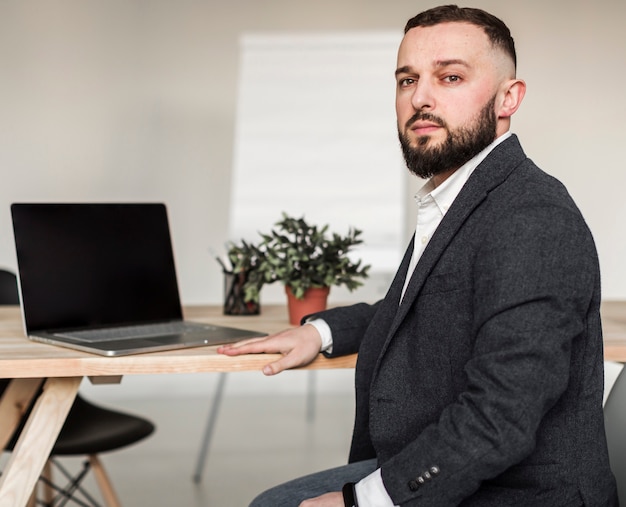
(614, 424)
(8, 288)
(89, 430)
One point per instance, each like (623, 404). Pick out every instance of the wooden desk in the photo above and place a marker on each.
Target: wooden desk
(62, 370)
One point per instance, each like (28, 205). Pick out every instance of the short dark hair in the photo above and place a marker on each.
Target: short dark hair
(498, 33)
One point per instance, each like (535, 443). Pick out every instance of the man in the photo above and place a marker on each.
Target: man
(480, 375)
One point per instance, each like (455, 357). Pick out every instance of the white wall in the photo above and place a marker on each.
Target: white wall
(135, 100)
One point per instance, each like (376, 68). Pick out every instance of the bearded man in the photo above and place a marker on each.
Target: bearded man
(479, 378)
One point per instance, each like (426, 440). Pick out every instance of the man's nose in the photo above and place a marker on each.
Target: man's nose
(423, 97)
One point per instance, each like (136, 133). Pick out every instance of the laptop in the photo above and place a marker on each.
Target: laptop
(100, 278)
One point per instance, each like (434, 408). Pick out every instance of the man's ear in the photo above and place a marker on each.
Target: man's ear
(513, 92)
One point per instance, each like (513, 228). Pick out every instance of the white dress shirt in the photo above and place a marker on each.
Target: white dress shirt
(432, 204)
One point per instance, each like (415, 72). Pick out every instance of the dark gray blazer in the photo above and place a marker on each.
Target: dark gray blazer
(483, 387)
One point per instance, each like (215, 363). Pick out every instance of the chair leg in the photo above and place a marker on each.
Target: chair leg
(43, 492)
(104, 483)
(32, 501)
(60, 495)
(47, 493)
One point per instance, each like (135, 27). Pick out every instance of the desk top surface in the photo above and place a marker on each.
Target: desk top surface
(22, 358)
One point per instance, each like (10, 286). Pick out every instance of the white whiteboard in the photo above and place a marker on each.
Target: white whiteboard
(316, 136)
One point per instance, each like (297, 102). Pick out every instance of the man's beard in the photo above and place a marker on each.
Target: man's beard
(459, 146)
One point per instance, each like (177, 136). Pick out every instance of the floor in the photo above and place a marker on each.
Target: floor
(259, 441)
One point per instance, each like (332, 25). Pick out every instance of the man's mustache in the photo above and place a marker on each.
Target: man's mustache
(422, 116)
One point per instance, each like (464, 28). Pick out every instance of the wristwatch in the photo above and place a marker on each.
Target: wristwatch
(349, 495)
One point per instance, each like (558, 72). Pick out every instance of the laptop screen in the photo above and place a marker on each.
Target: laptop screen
(94, 264)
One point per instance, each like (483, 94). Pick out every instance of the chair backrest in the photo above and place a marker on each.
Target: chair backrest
(615, 425)
(8, 296)
(8, 288)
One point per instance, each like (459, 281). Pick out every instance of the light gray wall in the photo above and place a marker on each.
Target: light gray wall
(135, 100)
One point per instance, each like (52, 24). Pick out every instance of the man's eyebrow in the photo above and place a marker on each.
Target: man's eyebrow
(403, 70)
(454, 61)
(439, 64)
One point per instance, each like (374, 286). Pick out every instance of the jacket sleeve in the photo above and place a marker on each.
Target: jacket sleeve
(349, 324)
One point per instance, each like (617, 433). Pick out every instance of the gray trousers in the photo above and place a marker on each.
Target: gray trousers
(291, 493)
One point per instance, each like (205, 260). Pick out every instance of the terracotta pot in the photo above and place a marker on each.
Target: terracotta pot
(314, 301)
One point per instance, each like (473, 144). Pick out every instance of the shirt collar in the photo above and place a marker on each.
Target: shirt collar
(445, 194)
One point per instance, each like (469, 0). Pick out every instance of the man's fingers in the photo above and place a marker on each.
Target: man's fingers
(272, 369)
(298, 347)
(249, 346)
(299, 356)
(284, 363)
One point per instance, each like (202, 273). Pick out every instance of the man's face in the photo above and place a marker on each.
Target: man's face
(448, 79)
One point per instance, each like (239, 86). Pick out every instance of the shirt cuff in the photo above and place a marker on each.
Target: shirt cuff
(371, 492)
(327, 335)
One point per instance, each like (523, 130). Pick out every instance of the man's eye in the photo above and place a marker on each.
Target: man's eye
(452, 79)
(407, 81)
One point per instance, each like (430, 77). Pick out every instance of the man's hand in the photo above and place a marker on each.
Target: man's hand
(299, 346)
(334, 499)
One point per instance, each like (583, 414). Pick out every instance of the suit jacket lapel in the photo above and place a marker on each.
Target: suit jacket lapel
(488, 175)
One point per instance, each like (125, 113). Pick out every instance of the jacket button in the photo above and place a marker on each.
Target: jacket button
(434, 470)
(420, 480)
(427, 475)
(413, 485)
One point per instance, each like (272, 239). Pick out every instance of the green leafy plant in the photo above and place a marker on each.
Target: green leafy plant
(302, 256)
(243, 257)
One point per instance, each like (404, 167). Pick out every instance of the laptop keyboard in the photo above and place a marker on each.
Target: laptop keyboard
(136, 331)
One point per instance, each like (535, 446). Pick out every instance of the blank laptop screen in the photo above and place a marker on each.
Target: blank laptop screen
(84, 265)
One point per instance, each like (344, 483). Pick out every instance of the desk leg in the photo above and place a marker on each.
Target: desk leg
(13, 405)
(210, 427)
(36, 441)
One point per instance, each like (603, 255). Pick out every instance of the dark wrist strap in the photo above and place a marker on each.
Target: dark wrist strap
(349, 495)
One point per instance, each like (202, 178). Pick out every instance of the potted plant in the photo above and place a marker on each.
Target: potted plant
(308, 261)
